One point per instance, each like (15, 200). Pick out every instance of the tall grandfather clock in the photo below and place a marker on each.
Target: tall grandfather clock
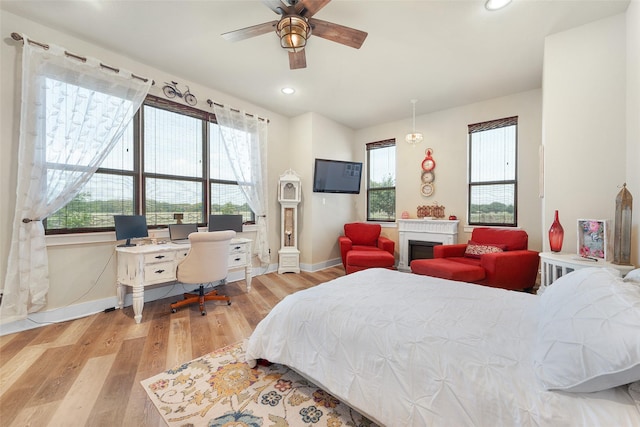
(289, 198)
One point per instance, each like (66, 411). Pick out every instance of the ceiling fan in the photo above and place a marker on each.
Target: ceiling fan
(295, 26)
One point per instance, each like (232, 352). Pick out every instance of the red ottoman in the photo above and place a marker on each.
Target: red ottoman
(446, 269)
(361, 260)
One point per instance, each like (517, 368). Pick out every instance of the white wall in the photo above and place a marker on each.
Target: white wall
(446, 133)
(330, 211)
(321, 215)
(633, 121)
(585, 125)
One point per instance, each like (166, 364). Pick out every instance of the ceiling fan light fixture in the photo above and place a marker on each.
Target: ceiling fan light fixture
(414, 137)
(293, 32)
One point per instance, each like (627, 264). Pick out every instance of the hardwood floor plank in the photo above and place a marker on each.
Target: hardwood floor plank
(153, 358)
(81, 398)
(88, 371)
(51, 333)
(17, 366)
(19, 394)
(34, 415)
(114, 395)
(16, 342)
(179, 343)
(75, 330)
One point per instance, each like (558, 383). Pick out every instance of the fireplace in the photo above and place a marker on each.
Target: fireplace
(427, 233)
(420, 249)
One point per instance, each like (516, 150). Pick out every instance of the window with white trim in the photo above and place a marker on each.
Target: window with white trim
(493, 184)
(381, 180)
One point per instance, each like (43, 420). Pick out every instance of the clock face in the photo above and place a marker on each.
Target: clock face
(427, 190)
(428, 164)
(427, 177)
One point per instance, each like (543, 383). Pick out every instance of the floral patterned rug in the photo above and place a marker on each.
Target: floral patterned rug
(220, 390)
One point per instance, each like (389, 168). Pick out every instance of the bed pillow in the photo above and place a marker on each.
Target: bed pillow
(633, 276)
(588, 336)
(475, 250)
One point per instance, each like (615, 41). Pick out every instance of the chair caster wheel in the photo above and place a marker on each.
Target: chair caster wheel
(173, 310)
(229, 303)
(204, 313)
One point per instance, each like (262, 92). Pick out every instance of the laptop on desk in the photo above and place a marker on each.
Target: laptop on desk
(179, 233)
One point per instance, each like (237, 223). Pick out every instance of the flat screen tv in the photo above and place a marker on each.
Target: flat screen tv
(225, 222)
(130, 227)
(336, 176)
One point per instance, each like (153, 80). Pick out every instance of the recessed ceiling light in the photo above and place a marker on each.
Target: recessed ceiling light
(288, 90)
(496, 4)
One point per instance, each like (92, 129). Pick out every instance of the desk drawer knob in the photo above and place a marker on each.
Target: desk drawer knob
(237, 259)
(159, 256)
(159, 271)
(237, 247)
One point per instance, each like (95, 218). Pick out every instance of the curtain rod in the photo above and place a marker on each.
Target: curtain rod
(45, 46)
(212, 103)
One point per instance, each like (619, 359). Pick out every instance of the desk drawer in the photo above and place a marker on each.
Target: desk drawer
(236, 248)
(160, 272)
(159, 257)
(237, 260)
(180, 255)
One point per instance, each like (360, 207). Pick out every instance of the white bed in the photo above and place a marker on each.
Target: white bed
(409, 350)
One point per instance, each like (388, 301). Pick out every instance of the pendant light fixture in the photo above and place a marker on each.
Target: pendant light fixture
(414, 137)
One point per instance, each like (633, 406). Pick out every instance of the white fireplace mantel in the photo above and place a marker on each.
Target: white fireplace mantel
(429, 230)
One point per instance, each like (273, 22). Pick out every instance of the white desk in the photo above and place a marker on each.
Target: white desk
(556, 265)
(140, 266)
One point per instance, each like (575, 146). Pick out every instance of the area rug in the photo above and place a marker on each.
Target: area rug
(219, 389)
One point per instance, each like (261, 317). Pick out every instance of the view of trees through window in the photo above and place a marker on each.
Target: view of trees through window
(158, 172)
(493, 172)
(381, 181)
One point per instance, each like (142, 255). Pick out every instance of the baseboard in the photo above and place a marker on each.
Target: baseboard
(321, 265)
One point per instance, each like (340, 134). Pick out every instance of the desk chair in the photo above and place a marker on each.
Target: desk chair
(206, 262)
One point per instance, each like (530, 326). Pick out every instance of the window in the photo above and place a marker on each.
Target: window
(111, 190)
(492, 172)
(381, 180)
(226, 195)
(158, 168)
(173, 170)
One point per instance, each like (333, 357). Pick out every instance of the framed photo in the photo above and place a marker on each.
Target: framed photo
(593, 238)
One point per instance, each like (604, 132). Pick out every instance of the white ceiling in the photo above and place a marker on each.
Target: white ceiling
(445, 53)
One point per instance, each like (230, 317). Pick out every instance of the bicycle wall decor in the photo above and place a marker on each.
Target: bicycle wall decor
(171, 91)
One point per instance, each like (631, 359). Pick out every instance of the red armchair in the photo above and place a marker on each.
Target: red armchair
(494, 257)
(362, 247)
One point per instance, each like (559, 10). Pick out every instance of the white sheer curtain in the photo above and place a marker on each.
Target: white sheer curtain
(72, 114)
(245, 141)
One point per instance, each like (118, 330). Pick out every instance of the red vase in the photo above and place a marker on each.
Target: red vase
(556, 235)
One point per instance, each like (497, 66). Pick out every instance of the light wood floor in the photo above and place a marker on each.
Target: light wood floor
(87, 372)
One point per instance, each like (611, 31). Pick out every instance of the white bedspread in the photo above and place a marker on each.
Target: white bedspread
(411, 350)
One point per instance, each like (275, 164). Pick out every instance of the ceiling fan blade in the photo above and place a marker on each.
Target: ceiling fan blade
(277, 6)
(337, 33)
(308, 8)
(245, 33)
(297, 60)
